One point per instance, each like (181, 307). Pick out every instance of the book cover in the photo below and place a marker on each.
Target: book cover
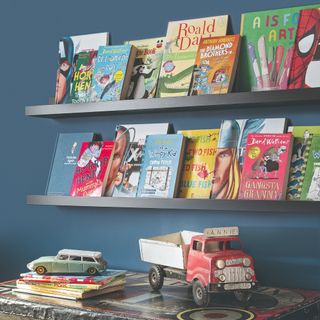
(112, 72)
(82, 77)
(69, 48)
(125, 169)
(305, 67)
(198, 163)
(215, 65)
(311, 183)
(161, 166)
(181, 45)
(93, 166)
(146, 69)
(230, 152)
(267, 48)
(266, 167)
(102, 279)
(64, 161)
(304, 131)
(299, 158)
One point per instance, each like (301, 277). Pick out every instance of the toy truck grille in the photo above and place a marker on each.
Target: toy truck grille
(233, 274)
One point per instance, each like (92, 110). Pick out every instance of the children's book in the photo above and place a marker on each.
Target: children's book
(112, 72)
(129, 144)
(93, 166)
(230, 152)
(198, 163)
(64, 161)
(69, 48)
(181, 46)
(82, 77)
(266, 166)
(215, 65)
(311, 182)
(161, 166)
(267, 48)
(305, 67)
(145, 73)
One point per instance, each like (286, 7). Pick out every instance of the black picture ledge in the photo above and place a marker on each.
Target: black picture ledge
(204, 102)
(178, 204)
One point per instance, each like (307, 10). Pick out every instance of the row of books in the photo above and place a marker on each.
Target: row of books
(279, 50)
(258, 159)
(71, 287)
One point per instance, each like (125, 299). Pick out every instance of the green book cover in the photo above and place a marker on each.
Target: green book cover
(267, 48)
(311, 184)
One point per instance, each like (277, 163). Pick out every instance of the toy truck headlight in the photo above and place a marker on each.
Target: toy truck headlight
(222, 278)
(248, 276)
(246, 262)
(220, 264)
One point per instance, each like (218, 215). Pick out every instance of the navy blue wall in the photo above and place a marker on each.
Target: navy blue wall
(285, 246)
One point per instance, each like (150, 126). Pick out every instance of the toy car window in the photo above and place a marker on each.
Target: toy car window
(88, 259)
(197, 245)
(233, 245)
(62, 257)
(213, 246)
(75, 258)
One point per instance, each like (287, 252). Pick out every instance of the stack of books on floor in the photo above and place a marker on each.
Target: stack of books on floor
(72, 287)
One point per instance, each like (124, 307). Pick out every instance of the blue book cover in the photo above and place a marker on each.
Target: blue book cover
(161, 167)
(112, 72)
(65, 160)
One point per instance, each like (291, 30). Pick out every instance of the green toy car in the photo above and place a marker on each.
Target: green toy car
(70, 261)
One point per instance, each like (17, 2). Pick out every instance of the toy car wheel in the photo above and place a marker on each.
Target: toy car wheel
(92, 271)
(242, 296)
(41, 270)
(201, 295)
(156, 277)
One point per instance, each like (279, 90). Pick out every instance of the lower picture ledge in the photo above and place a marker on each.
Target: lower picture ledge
(178, 204)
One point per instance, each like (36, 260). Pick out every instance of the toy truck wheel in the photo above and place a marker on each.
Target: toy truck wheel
(201, 295)
(41, 270)
(92, 271)
(243, 296)
(156, 277)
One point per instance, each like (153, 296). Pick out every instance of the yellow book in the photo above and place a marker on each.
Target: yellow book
(199, 161)
(181, 45)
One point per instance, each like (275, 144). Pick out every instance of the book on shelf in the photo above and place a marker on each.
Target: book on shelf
(231, 149)
(311, 183)
(64, 161)
(112, 72)
(129, 144)
(102, 279)
(146, 69)
(82, 77)
(267, 48)
(215, 65)
(92, 169)
(161, 166)
(181, 45)
(198, 163)
(266, 166)
(69, 48)
(305, 68)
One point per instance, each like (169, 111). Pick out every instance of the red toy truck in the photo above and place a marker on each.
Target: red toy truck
(211, 262)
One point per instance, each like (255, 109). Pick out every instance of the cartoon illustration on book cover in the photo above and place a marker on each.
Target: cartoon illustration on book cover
(267, 48)
(146, 68)
(265, 170)
(305, 68)
(314, 190)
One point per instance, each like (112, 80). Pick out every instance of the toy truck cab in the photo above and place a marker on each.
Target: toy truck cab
(216, 263)
(211, 262)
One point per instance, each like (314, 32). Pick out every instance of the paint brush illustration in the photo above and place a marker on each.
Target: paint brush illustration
(284, 76)
(253, 58)
(278, 61)
(263, 63)
(270, 59)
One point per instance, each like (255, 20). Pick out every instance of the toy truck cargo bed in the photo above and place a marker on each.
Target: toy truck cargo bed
(170, 250)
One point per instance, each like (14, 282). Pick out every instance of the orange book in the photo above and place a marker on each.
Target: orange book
(215, 65)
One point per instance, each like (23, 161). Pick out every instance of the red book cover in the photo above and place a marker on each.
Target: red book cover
(266, 166)
(93, 165)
